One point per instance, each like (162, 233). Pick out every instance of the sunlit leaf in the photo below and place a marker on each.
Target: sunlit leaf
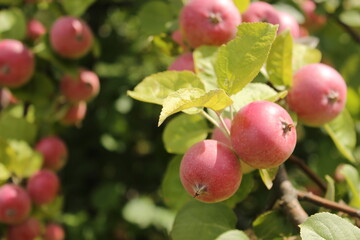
(233, 235)
(242, 5)
(303, 55)
(268, 175)
(204, 59)
(352, 178)
(76, 7)
(13, 24)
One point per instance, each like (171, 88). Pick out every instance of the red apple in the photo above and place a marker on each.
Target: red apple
(15, 204)
(43, 187)
(75, 114)
(205, 22)
(210, 171)
(183, 62)
(263, 134)
(35, 29)
(318, 94)
(54, 231)
(54, 152)
(288, 22)
(17, 63)
(27, 230)
(71, 37)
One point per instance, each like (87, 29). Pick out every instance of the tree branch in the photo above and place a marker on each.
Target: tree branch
(310, 173)
(289, 198)
(310, 197)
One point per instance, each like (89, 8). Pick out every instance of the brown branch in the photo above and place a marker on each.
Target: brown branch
(289, 198)
(310, 173)
(310, 197)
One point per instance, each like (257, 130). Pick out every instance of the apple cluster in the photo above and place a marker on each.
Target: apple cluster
(262, 134)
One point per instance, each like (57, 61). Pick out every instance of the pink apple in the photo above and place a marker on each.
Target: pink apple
(27, 230)
(43, 187)
(71, 37)
(263, 134)
(178, 38)
(75, 114)
(17, 63)
(6, 98)
(82, 87)
(15, 204)
(313, 20)
(54, 231)
(318, 94)
(288, 22)
(261, 12)
(205, 22)
(210, 171)
(54, 152)
(35, 29)
(183, 62)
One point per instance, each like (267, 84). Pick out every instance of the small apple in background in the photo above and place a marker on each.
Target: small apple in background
(261, 12)
(75, 114)
(178, 38)
(71, 37)
(288, 22)
(313, 20)
(54, 231)
(15, 204)
(17, 63)
(43, 187)
(210, 171)
(35, 29)
(318, 94)
(205, 22)
(54, 152)
(263, 134)
(183, 62)
(27, 230)
(80, 88)
(6, 98)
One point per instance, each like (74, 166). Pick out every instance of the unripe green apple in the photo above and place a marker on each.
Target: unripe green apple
(318, 94)
(263, 134)
(209, 22)
(27, 230)
(183, 62)
(54, 152)
(210, 171)
(43, 187)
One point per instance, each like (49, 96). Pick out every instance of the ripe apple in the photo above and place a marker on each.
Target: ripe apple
(82, 87)
(263, 134)
(43, 187)
(288, 22)
(183, 62)
(54, 152)
(17, 63)
(6, 98)
(75, 114)
(210, 171)
(205, 22)
(261, 12)
(318, 94)
(71, 37)
(54, 231)
(35, 29)
(27, 230)
(15, 204)
(178, 38)
(313, 20)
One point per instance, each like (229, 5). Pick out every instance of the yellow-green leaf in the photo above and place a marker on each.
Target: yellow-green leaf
(268, 175)
(204, 59)
(242, 5)
(304, 55)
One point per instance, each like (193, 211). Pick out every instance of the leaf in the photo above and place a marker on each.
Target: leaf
(350, 17)
(303, 55)
(268, 175)
(352, 178)
(52, 210)
(183, 131)
(247, 184)
(240, 60)
(272, 224)
(242, 5)
(202, 221)
(330, 190)
(327, 226)
(154, 16)
(76, 7)
(156, 87)
(278, 65)
(13, 24)
(233, 235)
(204, 60)
(174, 194)
(342, 132)
(106, 196)
(17, 128)
(186, 98)
(5, 174)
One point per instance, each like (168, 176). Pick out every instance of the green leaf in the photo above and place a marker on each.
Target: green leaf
(351, 17)
(106, 196)
(352, 178)
(279, 65)
(154, 17)
(233, 235)
(156, 87)
(242, 5)
(17, 128)
(5, 174)
(25, 161)
(247, 184)
(342, 132)
(186, 98)
(202, 221)
(204, 60)
(272, 224)
(303, 55)
(268, 175)
(327, 226)
(13, 24)
(52, 210)
(76, 7)
(330, 190)
(239, 61)
(183, 131)
(173, 192)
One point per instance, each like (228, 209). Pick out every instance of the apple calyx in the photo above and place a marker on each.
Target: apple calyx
(286, 127)
(199, 190)
(5, 69)
(332, 97)
(215, 18)
(10, 212)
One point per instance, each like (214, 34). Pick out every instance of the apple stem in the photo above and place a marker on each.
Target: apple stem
(223, 127)
(199, 190)
(208, 117)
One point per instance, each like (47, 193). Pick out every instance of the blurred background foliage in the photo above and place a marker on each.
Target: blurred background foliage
(112, 180)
